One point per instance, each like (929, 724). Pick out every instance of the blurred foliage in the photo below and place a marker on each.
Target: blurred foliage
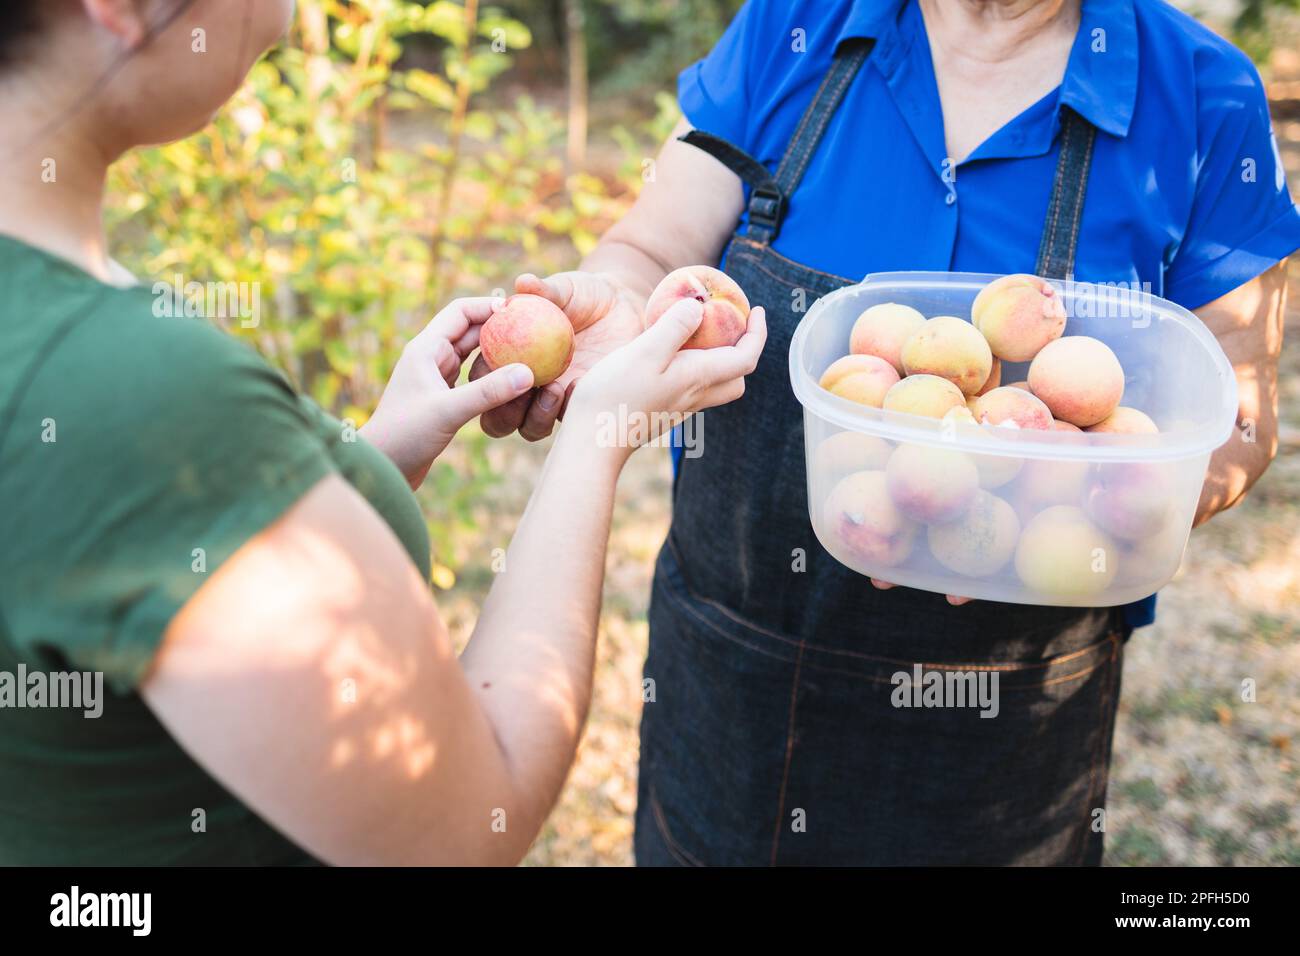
(1253, 28)
(360, 195)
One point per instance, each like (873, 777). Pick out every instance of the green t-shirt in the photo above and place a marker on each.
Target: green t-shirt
(137, 453)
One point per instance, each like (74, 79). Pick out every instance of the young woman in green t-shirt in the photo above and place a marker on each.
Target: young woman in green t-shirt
(250, 583)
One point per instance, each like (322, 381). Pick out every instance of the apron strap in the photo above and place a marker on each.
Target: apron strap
(1065, 208)
(770, 194)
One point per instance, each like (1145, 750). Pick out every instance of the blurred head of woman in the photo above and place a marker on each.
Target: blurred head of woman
(138, 72)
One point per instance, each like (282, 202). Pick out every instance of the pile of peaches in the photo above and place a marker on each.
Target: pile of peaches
(1064, 525)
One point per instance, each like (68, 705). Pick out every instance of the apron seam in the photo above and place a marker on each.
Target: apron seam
(789, 753)
(679, 853)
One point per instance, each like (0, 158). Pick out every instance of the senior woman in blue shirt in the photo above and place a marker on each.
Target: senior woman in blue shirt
(1108, 140)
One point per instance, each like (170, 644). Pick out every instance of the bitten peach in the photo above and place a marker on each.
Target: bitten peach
(1130, 500)
(881, 331)
(844, 453)
(1018, 314)
(1078, 378)
(860, 515)
(930, 484)
(1064, 555)
(532, 331)
(726, 309)
(860, 378)
(981, 541)
(950, 348)
(927, 395)
(1125, 421)
(1011, 406)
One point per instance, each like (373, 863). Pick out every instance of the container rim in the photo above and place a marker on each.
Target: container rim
(1167, 446)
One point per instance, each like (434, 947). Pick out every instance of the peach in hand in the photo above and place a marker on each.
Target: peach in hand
(950, 348)
(931, 485)
(1018, 314)
(1078, 378)
(859, 515)
(532, 331)
(881, 331)
(860, 378)
(981, 541)
(726, 308)
(927, 395)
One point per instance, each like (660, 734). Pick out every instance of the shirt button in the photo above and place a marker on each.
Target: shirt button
(950, 198)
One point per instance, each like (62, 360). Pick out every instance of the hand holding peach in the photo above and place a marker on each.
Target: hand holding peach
(726, 309)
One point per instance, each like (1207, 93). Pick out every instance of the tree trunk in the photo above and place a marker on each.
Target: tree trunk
(576, 45)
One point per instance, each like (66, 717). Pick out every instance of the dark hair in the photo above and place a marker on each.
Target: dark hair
(18, 23)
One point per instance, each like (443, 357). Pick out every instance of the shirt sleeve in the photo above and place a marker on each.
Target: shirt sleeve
(714, 92)
(145, 451)
(1243, 220)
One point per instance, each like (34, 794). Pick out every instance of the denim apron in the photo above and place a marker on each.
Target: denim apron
(772, 737)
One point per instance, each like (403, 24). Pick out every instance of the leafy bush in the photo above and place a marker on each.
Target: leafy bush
(359, 196)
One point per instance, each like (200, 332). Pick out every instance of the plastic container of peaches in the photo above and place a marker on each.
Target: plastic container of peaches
(1022, 515)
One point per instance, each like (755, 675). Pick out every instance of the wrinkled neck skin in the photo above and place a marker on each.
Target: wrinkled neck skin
(996, 31)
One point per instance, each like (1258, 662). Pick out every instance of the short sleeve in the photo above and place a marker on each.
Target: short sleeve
(1243, 220)
(145, 451)
(714, 92)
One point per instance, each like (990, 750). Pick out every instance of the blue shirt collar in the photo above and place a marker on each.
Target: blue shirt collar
(1100, 79)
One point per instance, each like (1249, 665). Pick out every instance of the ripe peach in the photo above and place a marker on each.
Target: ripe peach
(994, 470)
(1078, 378)
(1061, 426)
(530, 330)
(881, 331)
(1064, 555)
(844, 453)
(1018, 314)
(860, 514)
(927, 395)
(1131, 500)
(930, 484)
(981, 541)
(949, 348)
(1013, 406)
(1125, 421)
(1157, 558)
(1043, 483)
(860, 378)
(726, 309)
(1021, 385)
(994, 379)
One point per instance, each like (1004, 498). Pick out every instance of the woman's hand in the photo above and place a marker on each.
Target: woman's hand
(422, 408)
(605, 315)
(956, 600)
(642, 390)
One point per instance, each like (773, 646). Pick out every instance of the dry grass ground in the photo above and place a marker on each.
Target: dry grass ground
(1200, 776)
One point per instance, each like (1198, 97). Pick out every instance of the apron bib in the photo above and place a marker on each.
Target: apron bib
(773, 736)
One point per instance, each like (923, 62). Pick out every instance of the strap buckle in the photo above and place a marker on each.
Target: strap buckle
(767, 209)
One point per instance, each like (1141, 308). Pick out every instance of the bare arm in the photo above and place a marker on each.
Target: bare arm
(313, 677)
(684, 216)
(1248, 323)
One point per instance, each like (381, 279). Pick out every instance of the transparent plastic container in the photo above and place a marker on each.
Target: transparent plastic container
(1059, 518)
